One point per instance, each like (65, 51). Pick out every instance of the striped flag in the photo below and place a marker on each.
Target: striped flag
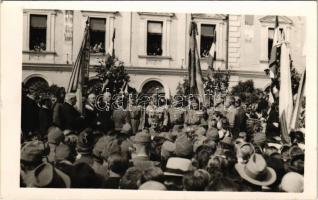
(211, 58)
(79, 77)
(285, 92)
(298, 105)
(194, 69)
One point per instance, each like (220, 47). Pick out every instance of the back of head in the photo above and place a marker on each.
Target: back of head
(131, 179)
(223, 184)
(85, 177)
(118, 163)
(196, 180)
(292, 182)
(152, 185)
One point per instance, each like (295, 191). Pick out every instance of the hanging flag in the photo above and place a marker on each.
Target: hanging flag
(299, 101)
(194, 69)
(285, 92)
(211, 58)
(79, 76)
(111, 49)
(275, 52)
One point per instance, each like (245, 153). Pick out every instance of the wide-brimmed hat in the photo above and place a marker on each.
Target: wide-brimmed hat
(46, 176)
(255, 171)
(177, 166)
(32, 151)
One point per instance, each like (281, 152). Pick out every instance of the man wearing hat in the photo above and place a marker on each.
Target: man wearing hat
(140, 157)
(54, 138)
(175, 169)
(70, 118)
(84, 147)
(255, 173)
(32, 155)
(47, 176)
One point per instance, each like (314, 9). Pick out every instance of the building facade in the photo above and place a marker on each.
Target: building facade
(154, 46)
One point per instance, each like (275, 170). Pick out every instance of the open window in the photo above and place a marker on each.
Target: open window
(207, 37)
(154, 38)
(97, 34)
(38, 29)
(271, 32)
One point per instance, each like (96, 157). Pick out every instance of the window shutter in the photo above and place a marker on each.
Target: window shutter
(207, 30)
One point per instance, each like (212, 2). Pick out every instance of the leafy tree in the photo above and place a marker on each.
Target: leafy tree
(246, 91)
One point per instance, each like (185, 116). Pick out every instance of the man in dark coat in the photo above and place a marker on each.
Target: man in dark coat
(70, 118)
(90, 111)
(273, 126)
(45, 116)
(29, 113)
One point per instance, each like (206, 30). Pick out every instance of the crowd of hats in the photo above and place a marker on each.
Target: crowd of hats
(204, 155)
(174, 161)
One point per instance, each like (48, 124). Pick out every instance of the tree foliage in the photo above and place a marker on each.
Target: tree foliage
(246, 91)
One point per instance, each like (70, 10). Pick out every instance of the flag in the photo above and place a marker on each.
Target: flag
(111, 49)
(298, 105)
(194, 69)
(211, 58)
(275, 52)
(285, 92)
(79, 76)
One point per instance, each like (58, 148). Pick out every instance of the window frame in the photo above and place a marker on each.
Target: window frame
(219, 21)
(105, 36)
(30, 29)
(50, 29)
(155, 21)
(109, 26)
(266, 23)
(166, 19)
(200, 36)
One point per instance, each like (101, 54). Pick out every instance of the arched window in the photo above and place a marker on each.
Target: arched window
(153, 87)
(37, 81)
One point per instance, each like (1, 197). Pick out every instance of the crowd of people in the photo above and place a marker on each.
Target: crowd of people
(227, 146)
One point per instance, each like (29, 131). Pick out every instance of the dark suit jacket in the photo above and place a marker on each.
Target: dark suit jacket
(29, 115)
(70, 118)
(45, 120)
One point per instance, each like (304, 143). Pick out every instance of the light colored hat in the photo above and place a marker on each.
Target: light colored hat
(292, 182)
(152, 185)
(256, 171)
(177, 166)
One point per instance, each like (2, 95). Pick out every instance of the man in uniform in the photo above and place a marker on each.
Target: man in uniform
(194, 116)
(156, 114)
(135, 114)
(176, 113)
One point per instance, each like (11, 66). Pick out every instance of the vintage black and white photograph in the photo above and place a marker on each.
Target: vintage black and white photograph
(158, 100)
(163, 101)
